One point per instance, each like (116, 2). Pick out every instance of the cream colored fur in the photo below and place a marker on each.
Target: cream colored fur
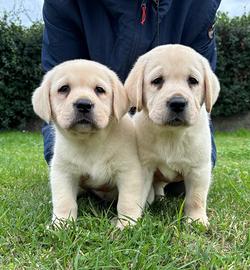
(102, 154)
(184, 149)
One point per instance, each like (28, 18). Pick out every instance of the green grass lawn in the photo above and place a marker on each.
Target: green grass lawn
(161, 240)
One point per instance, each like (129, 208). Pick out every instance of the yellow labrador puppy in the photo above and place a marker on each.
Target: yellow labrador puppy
(174, 88)
(94, 144)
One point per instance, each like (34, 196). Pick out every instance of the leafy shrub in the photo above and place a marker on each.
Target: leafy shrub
(233, 44)
(20, 69)
(20, 72)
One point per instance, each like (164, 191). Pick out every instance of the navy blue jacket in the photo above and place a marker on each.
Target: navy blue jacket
(111, 31)
(116, 32)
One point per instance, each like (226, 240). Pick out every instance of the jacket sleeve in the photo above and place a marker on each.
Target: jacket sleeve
(63, 38)
(205, 42)
(206, 46)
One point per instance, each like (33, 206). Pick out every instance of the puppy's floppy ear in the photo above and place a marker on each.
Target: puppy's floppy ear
(41, 99)
(212, 86)
(134, 83)
(120, 98)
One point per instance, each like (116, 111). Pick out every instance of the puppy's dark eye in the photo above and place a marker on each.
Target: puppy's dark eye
(64, 89)
(158, 81)
(192, 81)
(99, 90)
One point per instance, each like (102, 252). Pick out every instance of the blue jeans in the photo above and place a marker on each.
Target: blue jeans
(48, 142)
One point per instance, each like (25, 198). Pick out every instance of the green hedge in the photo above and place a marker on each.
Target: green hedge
(233, 44)
(20, 70)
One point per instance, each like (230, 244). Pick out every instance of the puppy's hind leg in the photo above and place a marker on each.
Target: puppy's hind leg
(160, 181)
(151, 196)
(159, 188)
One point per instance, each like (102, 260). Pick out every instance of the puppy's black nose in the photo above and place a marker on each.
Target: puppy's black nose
(177, 104)
(83, 105)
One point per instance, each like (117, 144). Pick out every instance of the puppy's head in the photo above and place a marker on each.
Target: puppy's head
(171, 83)
(80, 96)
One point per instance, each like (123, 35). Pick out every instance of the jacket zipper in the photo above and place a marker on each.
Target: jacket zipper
(143, 12)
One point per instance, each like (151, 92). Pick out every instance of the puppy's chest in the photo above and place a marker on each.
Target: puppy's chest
(98, 175)
(172, 157)
(95, 170)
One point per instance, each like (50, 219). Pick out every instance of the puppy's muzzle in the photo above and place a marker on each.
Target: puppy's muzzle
(176, 106)
(83, 111)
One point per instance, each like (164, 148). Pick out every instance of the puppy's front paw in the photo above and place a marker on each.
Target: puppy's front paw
(62, 223)
(60, 219)
(199, 217)
(122, 223)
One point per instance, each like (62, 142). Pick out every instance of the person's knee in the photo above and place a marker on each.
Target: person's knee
(48, 142)
(213, 155)
(214, 152)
